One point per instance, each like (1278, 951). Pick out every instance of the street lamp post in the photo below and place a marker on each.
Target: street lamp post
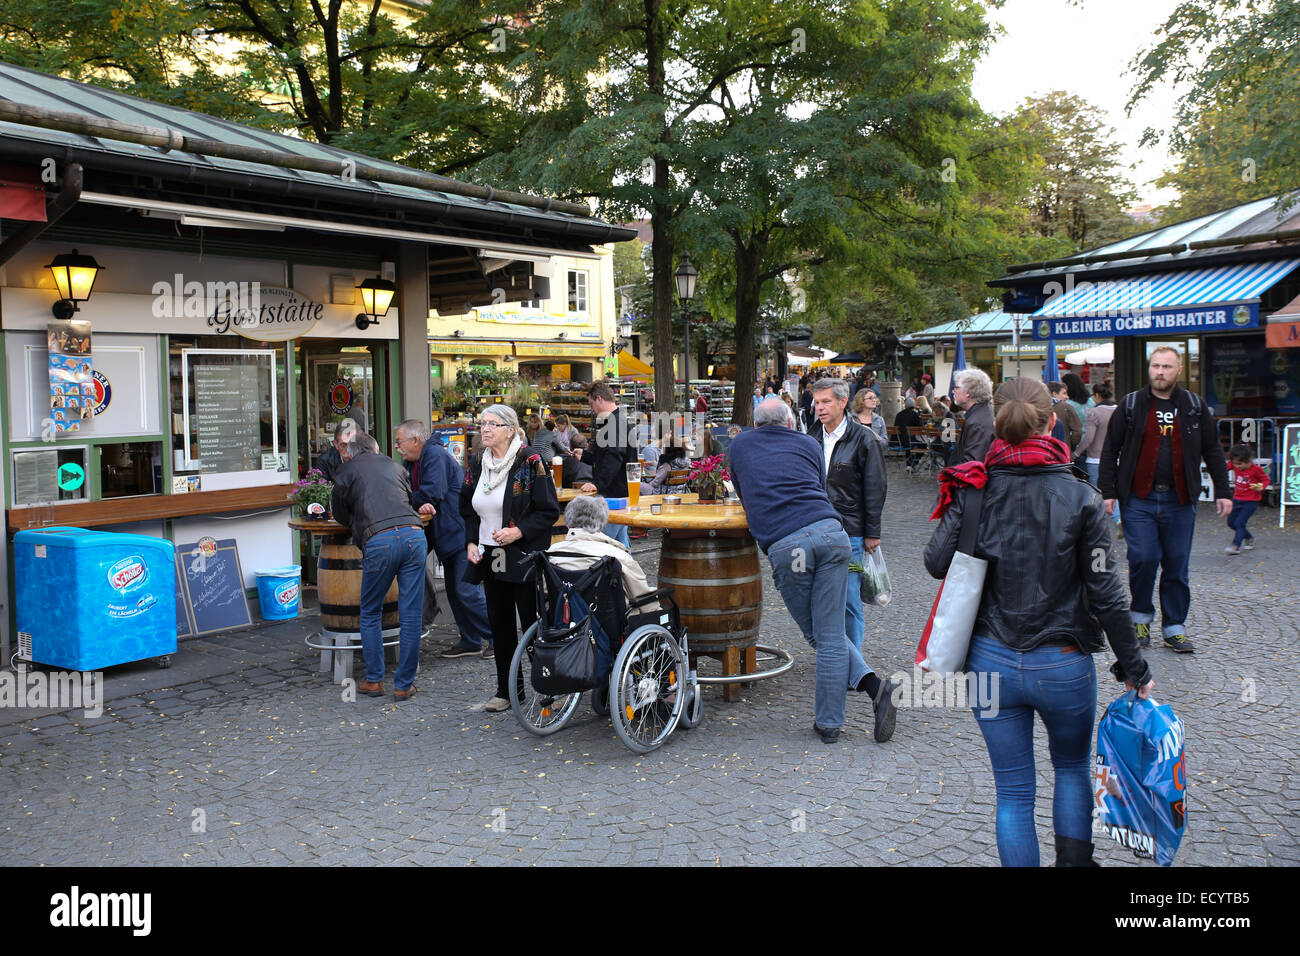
(686, 275)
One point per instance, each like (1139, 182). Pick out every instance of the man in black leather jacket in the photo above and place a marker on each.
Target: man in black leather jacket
(372, 494)
(854, 466)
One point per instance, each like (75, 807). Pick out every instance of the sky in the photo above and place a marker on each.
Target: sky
(1083, 48)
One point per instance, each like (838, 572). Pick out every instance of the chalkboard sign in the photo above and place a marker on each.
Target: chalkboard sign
(184, 628)
(1289, 477)
(213, 583)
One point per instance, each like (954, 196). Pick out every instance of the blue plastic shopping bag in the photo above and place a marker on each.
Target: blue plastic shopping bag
(1141, 778)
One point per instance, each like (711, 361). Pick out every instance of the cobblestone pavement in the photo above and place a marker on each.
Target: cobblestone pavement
(247, 738)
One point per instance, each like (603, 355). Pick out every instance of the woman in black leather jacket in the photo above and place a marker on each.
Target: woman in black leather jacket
(509, 505)
(1051, 587)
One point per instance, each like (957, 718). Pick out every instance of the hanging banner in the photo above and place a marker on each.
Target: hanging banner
(1156, 322)
(72, 384)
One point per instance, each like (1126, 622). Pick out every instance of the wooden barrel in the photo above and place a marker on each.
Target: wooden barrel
(338, 582)
(718, 586)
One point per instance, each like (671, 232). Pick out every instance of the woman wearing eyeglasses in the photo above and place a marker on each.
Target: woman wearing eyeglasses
(509, 505)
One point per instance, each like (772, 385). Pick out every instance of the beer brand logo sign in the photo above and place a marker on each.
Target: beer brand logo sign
(103, 391)
(340, 396)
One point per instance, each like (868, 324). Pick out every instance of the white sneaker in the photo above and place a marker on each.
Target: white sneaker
(1248, 544)
(1232, 549)
(494, 706)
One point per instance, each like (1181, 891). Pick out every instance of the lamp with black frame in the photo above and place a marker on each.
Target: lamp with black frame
(376, 298)
(685, 276)
(74, 277)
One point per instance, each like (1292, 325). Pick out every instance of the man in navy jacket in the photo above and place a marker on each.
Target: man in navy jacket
(435, 489)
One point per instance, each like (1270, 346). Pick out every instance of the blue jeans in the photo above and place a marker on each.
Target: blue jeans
(466, 600)
(1158, 531)
(398, 553)
(619, 533)
(1242, 511)
(855, 621)
(1060, 685)
(811, 568)
(1094, 476)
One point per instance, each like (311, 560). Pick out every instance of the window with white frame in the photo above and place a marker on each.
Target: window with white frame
(578, 299)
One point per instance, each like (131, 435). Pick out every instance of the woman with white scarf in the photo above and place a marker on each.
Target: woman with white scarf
(509, 506)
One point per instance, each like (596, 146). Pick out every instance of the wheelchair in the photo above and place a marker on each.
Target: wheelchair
(650, 687)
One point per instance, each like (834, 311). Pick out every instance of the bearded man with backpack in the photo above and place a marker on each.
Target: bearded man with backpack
(1150, 463)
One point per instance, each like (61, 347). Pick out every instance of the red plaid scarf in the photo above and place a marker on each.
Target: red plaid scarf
(1034, 450)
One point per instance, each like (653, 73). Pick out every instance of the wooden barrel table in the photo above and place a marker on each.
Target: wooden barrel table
(718, 586)
(711, 560)
(338, 588)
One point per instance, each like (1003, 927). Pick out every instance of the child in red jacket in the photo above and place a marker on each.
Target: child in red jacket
(1249, 482)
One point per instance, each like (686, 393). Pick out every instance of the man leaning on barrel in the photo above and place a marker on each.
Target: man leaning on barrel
(372, 495)
(779, 476)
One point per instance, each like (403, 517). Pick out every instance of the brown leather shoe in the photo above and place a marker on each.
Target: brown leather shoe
(407, 694)
(370, 688)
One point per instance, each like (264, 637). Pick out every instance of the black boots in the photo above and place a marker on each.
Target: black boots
(1072, 852)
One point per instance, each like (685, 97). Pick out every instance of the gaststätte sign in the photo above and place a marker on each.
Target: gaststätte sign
(273, 315)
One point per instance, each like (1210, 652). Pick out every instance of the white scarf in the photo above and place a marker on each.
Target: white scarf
(495, 469)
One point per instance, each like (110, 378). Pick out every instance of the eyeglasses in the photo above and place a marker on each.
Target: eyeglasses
(399, 442)
(491, 425)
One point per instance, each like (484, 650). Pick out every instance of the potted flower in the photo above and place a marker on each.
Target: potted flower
(312, 494)
(707, 476)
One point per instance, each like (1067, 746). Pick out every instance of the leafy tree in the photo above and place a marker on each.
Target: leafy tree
(1082, 194)
(1234, 131)
(427, 86)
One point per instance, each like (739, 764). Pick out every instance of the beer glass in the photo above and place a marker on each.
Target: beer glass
(633, 484)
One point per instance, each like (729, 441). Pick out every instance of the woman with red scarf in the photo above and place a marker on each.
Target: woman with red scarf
(1050, 590)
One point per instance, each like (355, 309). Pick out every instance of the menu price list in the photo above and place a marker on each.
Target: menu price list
(226, 416)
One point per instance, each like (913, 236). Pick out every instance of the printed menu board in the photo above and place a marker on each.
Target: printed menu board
(230, 392)
(226, 412)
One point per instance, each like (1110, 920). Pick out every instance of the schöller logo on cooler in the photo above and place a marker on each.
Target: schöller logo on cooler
(76, 909)
(287, 595)
(128, 573)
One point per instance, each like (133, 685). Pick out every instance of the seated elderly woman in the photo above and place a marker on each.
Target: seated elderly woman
(586, 543)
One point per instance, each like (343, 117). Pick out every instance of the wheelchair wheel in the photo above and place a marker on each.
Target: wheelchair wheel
(540, 714)
(647, 688)
(693, 711)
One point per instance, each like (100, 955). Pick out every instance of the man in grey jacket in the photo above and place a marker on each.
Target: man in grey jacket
(372, 495)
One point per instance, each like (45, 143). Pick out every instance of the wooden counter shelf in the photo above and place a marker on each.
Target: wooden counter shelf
(110, 511)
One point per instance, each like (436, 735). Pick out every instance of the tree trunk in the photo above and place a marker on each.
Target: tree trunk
(662, 285)
(661, 217)
(749, 259)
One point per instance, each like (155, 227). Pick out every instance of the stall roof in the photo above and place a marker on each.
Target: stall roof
(1224, 285)
(1149, 251)
(34, 89)
(992, 324)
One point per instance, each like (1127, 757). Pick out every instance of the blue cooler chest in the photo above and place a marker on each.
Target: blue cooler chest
(91, 599)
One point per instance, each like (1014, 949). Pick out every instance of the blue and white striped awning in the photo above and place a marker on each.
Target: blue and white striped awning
(1223, 285)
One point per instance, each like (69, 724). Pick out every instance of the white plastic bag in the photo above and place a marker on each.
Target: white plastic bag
(874, 579)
